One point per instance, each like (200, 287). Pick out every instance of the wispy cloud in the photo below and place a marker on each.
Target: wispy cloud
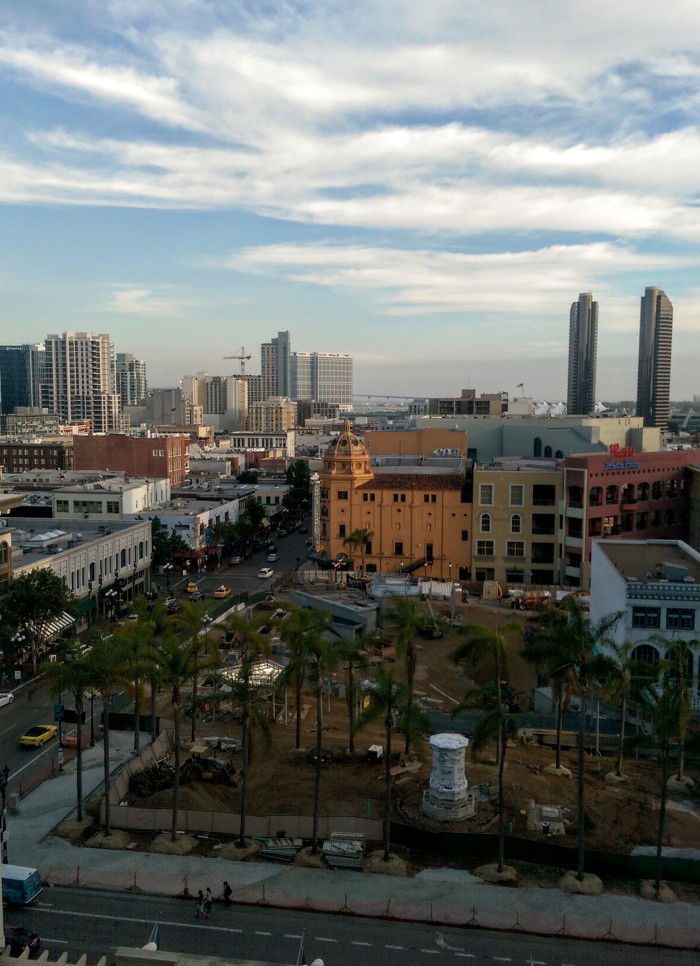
(137, 300)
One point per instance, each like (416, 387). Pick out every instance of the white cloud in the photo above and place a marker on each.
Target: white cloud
(136, 300)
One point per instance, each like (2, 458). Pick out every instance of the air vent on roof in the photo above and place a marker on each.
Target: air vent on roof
(674, 571)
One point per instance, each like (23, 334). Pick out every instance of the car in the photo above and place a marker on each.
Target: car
(37, 736)
(18, 939)
(235, 561)
(170, 601)
(265, 572)
(198, 595)
(222, 591)
(272, 557)
(173, 608)
(132, 617)
(192, 587)
(7, 697)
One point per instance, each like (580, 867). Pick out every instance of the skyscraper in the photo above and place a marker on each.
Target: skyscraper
(80, 380)
(654, 369)
(21, 375)
(132, 384)
(275, 366)
(322, 377)
(583, 345)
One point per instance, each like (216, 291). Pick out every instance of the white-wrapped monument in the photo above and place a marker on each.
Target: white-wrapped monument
(447, 799)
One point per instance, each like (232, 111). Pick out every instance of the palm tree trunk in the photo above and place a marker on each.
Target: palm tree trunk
(153, 709)
(681, 759)
(662, 821)
(351, 707)
(317, 783)
(410, 678)
(499, 699)
(297, 685)
(501, 812)
(176, 777)
(193, 731)
(387, 785)
(560, 721)
(621, 741)
(581, 837)
(79, 758)
(137, 715)
(244, 770)
(105, 751)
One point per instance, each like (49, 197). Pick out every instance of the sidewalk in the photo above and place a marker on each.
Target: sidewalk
(447, 896)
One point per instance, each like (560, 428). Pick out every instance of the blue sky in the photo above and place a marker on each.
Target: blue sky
(427, 186)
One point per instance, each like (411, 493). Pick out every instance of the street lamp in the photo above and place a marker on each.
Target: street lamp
(4, 777)
(92, 719)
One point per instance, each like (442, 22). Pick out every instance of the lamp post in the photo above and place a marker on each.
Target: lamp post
(452, 596)
(92, 719)
(4, 777)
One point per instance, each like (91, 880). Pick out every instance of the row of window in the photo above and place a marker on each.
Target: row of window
(88, 506)
(516, 494)
(487, 548)
(516, 523)
(80, 578)
(677, 618)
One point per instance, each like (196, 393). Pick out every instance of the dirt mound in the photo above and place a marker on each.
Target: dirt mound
(183, 844)
(117, 839)
(198, 797)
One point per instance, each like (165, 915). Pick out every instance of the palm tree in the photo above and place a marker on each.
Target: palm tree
(133, 643)
(154, 621)
(104, 669)
(72, 675)
(405, 619)
(674, 668)
(387, 697)
(320, 659)
(492, 641)
(501, 726)
(295, 629)
(570, 645)
(359, 538)
(189, 620)
(619, 687)
(177, 665)
(354, 654)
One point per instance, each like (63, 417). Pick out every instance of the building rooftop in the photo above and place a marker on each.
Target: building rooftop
(39, 537)
(413, 481)
(653, 561)
(116, 484)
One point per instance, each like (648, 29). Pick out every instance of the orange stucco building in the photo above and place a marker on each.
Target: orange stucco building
(416, 521)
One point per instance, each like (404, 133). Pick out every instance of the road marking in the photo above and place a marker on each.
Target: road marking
(431, 952)
(357, 942)
(466, 955)
(141, 922)
(388, 946)
(47, 939)
(535, 962)
(259, 932)
(293, 935)
(503, 959)
(324, 939)
(48, 905)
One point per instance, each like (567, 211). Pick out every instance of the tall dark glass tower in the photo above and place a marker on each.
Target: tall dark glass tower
(654, 369)
(583, 348)
(21, 375)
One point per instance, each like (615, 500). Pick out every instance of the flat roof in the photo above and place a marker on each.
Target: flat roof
(35, 534)
(413, 481)
(642, 559)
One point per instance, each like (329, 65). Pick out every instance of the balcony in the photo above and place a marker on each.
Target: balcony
(575, 542)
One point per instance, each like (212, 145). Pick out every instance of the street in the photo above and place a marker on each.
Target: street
(78, 920)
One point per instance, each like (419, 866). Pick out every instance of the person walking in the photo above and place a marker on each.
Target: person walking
(227, 893)
(200, 905)
(208, 902)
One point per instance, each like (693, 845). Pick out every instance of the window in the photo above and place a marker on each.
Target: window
(429, 552)
(368, 546)
(341, 530)
(365, 497)
(485, 523)
(403, 497)
(465, 534)
(484, 548)
(112, 506)
(537, 447)
(61, 506)
(342, 494)
(517, 494)
(680, 619)
(486, 494)
(646, 617)
(398, 548)
(548, 452)
(516, 523)
(515, 548)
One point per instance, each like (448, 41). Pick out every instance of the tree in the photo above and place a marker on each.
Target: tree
(177, 665)
(571, 645)
(72, 675)
(677, 671)
(355, 656)
(546, 656)
(387, 698)
(248, 476)
(165, 543)
(359, 538)
(618, 687)
(501, 726)
(133, 643)
(296, 629)
(405, 619)
(31, 604)
(104, 670)
(154, 621)
(494, 642)
(320, 660)
(298, 476)
(189, 620)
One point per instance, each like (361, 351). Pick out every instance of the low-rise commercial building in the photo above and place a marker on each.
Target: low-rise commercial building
(192, 517)
(156, 457)
(108, 498)
(17, 456)
(655, 586)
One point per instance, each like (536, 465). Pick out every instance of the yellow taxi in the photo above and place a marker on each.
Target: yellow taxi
(38, 735)
(192, 587)
(222, 591)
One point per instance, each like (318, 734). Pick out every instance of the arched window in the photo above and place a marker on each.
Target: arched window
(537, 447)
(516, 523)
(548, 452)
(611, 494)
(559, 455)
(485, 524)
(642, 491)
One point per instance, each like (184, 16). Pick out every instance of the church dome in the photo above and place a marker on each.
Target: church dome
(346, 445)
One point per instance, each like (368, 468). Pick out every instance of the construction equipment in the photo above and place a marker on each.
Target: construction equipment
(242, 358)
(200, 768)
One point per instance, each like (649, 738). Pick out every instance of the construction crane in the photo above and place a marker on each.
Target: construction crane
(242, 358)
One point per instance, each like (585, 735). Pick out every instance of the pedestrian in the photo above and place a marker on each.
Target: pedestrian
(208, 902)
(200, 904)
(227, 893)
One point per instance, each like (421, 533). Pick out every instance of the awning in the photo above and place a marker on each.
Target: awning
(86, 606)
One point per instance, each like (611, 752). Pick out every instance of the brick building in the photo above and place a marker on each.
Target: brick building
(17, 456)
(164, 457)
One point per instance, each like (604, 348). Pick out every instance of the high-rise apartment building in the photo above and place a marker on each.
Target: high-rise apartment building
(21, 375)
(583, 345)
(322, 377)
(132, 384)
(272, 415)
(195, 388)
(80, 380)
(654, 369)
(275, 366)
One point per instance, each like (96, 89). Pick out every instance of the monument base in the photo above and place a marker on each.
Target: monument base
(447, 811)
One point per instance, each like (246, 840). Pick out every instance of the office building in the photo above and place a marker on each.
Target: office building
(162, 457)
(466, 404)
(132, 384)
(275, 367)
(583, 346)
(654, 369)
(80, 380)
(273, 415)
(194, 388)
(171, 407)
(655, 586)
(109, 498)
(21, 375)
(323, 377)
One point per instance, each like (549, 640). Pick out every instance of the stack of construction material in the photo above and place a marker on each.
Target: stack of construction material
(344, 851)
(282, 849)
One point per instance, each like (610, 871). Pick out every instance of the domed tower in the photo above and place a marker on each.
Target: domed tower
(345, 467)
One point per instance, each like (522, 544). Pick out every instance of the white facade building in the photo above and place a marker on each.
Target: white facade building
(322, 377)
(192, 518)
(132, 384)
(656, 586)
(107, 498)
(80, 380)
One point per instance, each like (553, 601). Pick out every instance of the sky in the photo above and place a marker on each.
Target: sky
(425, 185)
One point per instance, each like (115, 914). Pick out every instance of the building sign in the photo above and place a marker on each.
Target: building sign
(621, 458)
(444, 451)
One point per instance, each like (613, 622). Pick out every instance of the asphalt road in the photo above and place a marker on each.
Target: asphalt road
(96, 922)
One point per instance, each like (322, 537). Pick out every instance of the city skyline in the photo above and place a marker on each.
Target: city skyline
(395, 182)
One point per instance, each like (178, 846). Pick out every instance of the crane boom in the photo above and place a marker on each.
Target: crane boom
(242, 358)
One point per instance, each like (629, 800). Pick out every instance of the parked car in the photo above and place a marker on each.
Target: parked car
(173, 608)
(192, 587)
(37, 736)
(131, 617)
(273, 557)
(265, 572)
(235, 561)
(170, 601)
(198, 595)
(6, 697)
(20, 885)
